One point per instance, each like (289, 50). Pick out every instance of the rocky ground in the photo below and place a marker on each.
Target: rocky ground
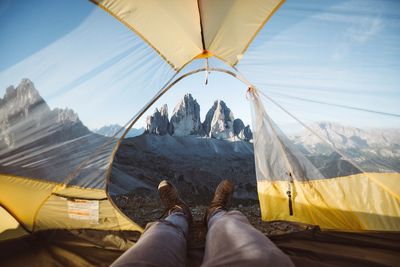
(194, 165)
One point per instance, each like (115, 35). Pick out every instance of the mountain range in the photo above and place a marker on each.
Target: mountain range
(117, 130)
(37, 141)
(185, 120)
(23, 109)
(373, 150)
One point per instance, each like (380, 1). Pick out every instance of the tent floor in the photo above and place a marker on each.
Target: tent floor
(326, 249)
(100, 248)
(66, 248)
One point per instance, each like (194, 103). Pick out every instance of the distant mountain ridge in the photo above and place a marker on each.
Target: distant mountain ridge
(112, 130)
(372, 149)
(346, 137)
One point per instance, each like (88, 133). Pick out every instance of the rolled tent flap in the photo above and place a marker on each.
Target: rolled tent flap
(224, 28)
(291, 188)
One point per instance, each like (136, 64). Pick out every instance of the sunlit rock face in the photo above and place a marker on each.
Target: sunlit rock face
(219, 121)
(185, 119)
(25, 117)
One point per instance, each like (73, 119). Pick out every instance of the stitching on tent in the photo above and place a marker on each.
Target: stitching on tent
(259, 29)
(135, 31)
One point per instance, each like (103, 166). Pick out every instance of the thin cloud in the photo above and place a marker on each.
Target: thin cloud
(358, 34)
(366, 30)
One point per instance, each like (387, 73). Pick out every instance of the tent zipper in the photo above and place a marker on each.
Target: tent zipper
(289, 194)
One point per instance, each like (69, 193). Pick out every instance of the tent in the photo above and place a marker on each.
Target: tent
(54, 172)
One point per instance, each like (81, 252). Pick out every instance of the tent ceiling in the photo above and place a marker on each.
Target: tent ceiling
(181, 30)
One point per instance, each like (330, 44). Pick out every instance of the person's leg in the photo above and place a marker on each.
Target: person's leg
(163, 243)
(232, 241)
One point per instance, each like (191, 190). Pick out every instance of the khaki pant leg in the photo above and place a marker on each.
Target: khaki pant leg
(163, 243)
(232, 241)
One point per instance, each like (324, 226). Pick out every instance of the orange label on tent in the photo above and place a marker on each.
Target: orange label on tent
(87, 210)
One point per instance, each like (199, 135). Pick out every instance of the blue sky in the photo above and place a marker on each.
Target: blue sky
(338, 52)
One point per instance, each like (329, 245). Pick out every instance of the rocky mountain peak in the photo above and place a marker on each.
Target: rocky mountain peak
(20, 99)
(66, 115)
(11, 92)
(241, 131)
(23, 112)
(158, 123)
(238, 126)
(109, 130)
(185, 119)
(219, 121)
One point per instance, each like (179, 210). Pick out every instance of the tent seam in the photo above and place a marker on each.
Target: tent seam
(135, 31)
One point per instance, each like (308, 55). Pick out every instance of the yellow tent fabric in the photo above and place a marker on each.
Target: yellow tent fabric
(338, 203)
(10, 228)
(41, 205)
(225, 28)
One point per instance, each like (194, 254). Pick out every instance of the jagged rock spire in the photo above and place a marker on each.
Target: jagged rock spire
(158, 122)
(219, 121)
(185, 119)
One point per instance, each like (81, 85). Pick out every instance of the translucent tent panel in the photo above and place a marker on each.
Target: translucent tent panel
(358, 135)
(78, 83)
(52, 104)
(334, 127)
(277, 158)
(343, 95)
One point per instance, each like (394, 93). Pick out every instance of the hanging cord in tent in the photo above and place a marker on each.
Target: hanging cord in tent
(256, 97)
(207, 71)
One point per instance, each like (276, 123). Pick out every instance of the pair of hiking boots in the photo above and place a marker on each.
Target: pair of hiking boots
(172, 202)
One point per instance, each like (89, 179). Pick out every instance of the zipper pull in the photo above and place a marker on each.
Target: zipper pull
(289, 194)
